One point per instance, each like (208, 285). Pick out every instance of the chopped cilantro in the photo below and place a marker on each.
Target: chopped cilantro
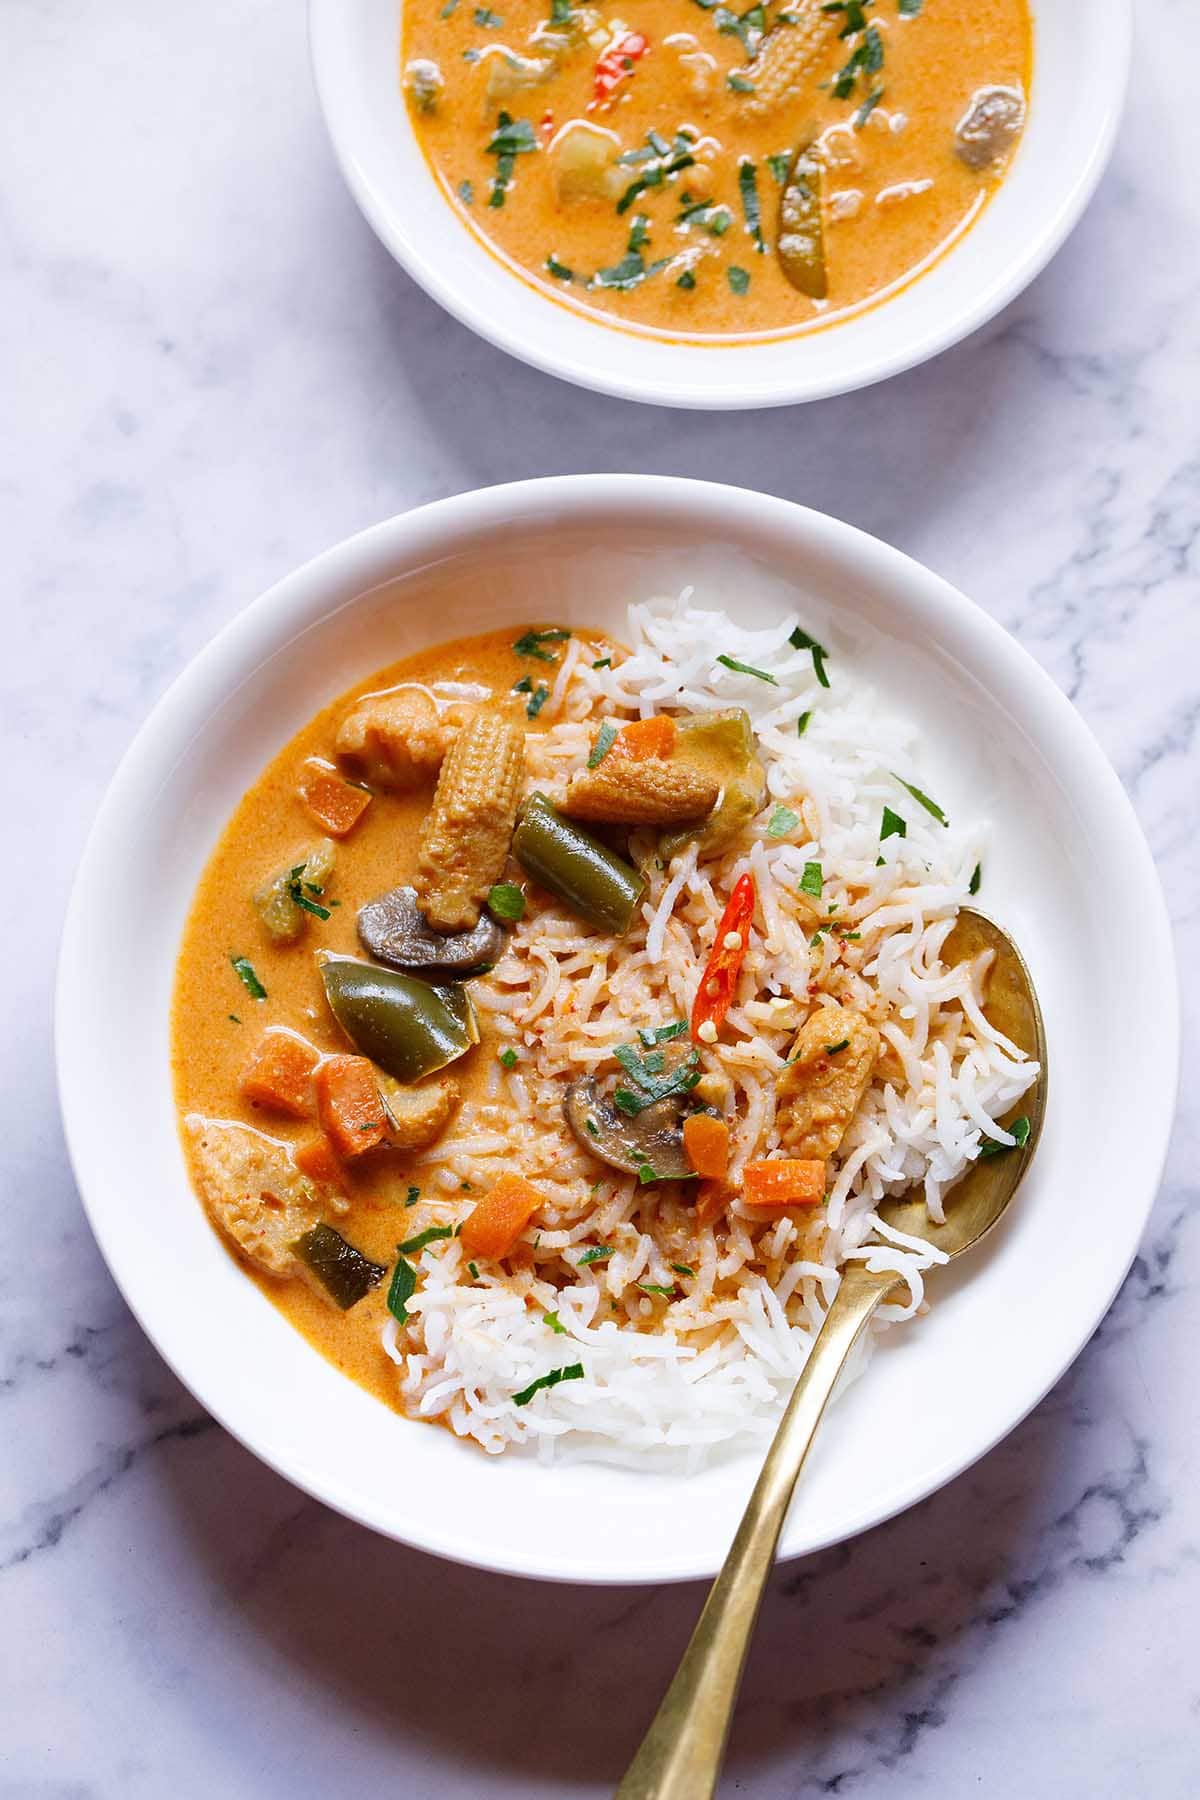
(741, 668)
(598, 1253)
(802, 723)
(558, 269)
(682, 1269)
(686, 281)
(466, 193)
(243, 968)
(739, 83)
(555, 1323)
(411, 1245)
(531, 643)
(867, 108)
(473, 1271)
(748, 188)
(511, 138)
(537, 700)
(508, 1057)
(738, 279)
(604, 662)
(661, 1034)
(976, 878)
(606, 737)
(412, 1196)
(572, 1372)
(813, 880)
(487, 20)
(931, 806)
(800, 640)
(842, 1044)
(654, 1287)
(779, 164)
(400, 1292)
(1020, 1129)
(892, 825)
(506, 901)
(782, 820)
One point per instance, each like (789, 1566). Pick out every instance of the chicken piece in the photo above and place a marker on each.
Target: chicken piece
(253, 1190)
(787, 56)
(466, 836)
(395, 740)
(417, 1115)
(624, 791)
(820, 1091)
(990, 126)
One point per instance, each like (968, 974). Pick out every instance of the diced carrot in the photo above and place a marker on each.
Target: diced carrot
(316, 1157)
(643, 738)
(349, 1106)
(279, 1074)
(706, 1141)
(501, 1216)
(711, 1200)
(780, 1182)
(335, 804)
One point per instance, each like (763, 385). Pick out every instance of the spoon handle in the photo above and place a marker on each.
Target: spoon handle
(680, 1756)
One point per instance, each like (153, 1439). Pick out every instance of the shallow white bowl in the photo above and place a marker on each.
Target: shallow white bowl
(1000, 740)
(1078, 90)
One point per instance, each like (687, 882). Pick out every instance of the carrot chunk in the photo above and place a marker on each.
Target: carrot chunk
(711, 1200)
(279, 1074)
(643, 738)
(336, 805)
(348, 1104)
(780, 1182)
(501, 1216)
(316, 1157)
(706, 1141)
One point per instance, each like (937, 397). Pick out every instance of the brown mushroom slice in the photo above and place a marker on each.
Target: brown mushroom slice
(649, 1140)
(990, 126)
(394, 931)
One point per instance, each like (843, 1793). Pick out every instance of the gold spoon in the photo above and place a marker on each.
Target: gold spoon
(680, 1756)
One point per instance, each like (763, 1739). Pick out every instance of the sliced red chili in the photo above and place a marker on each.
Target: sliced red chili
(616, 66)
(719, 981)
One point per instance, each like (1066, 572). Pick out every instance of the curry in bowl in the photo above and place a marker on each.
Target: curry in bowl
(553, 1014)
(705, 172)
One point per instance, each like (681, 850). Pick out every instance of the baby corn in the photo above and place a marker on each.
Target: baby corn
(465, 838)
(788, 53)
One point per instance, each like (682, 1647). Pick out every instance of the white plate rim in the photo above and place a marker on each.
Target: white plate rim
(368, 557)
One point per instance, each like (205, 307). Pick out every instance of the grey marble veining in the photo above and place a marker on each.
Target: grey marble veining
(211, 371)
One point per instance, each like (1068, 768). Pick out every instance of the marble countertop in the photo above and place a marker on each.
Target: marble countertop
(212, 371)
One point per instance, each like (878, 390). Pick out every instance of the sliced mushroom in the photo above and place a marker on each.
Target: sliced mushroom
(394, 931)
(651, 1139)
(990, 126)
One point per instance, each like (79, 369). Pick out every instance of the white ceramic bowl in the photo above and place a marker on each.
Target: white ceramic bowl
(1001, 741)
(1078, 90)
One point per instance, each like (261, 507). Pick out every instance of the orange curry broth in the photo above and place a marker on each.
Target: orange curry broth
(216, 1024)
(933, 61)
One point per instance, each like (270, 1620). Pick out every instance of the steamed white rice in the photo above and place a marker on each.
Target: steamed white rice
(675, 1377)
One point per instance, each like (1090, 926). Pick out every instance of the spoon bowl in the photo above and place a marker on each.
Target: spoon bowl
(680, 1757)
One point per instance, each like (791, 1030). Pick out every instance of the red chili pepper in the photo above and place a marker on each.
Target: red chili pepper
(546, 127)
(616, 65)
(715, 994)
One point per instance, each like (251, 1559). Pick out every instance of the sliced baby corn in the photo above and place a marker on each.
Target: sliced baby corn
(788, 55)
(465, 838)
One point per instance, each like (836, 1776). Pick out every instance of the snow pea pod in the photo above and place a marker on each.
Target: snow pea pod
(576, 867)
(407, 1027)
